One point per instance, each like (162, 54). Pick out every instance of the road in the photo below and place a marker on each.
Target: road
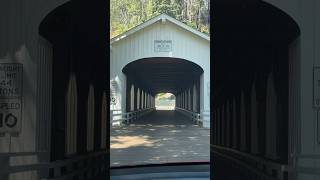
(160, 137)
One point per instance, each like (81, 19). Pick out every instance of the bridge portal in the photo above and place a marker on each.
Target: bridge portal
(161, 55)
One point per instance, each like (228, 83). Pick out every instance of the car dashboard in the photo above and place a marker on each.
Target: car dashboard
(177, 171)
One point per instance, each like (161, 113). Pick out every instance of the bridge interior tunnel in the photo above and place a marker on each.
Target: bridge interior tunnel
(145, 78)
(78, 67)
(162, 136)
(253, 74)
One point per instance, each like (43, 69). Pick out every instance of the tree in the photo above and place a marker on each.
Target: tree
(125, 14)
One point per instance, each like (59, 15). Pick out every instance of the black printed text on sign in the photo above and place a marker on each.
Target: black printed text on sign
(10, 80)
(10, 115)
(162, 45)
(113, 100)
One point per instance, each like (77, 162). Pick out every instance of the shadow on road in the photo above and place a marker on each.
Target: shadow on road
(160, 137)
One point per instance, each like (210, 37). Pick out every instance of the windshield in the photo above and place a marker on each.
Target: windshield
(159, 82)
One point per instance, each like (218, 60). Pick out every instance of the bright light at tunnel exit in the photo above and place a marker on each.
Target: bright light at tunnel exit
(165, 101)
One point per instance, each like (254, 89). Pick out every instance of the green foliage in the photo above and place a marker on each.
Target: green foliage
(165, 96)
(192, 24)
(165, 6)
(125, 14)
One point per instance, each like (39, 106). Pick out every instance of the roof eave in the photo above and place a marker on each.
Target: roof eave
(154, 20)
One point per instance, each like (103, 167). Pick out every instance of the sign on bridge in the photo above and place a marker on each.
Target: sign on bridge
(10, 97)
(162, 45)
(113, 92)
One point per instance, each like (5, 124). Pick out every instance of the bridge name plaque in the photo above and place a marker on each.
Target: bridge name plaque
(162, 45)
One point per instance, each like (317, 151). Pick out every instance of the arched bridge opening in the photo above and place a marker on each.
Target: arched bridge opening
(147, 77)
(158, 119)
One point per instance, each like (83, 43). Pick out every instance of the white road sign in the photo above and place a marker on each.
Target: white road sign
(10, 97)
(10, 115)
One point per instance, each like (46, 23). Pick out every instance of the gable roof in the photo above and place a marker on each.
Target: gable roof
(162, 17)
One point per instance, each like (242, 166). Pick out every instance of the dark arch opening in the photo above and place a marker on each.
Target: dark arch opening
(56, 23)
(56, 29)
(163, 74)
(79, 48)
(245, 30)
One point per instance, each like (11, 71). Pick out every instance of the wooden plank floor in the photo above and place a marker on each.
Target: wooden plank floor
(160, 137)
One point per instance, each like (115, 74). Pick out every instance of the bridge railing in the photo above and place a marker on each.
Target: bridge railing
(87, 166)
(249, 165)
(118, 118)
(195, 117)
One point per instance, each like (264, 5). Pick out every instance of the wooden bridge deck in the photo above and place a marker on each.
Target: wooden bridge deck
(160, 137)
